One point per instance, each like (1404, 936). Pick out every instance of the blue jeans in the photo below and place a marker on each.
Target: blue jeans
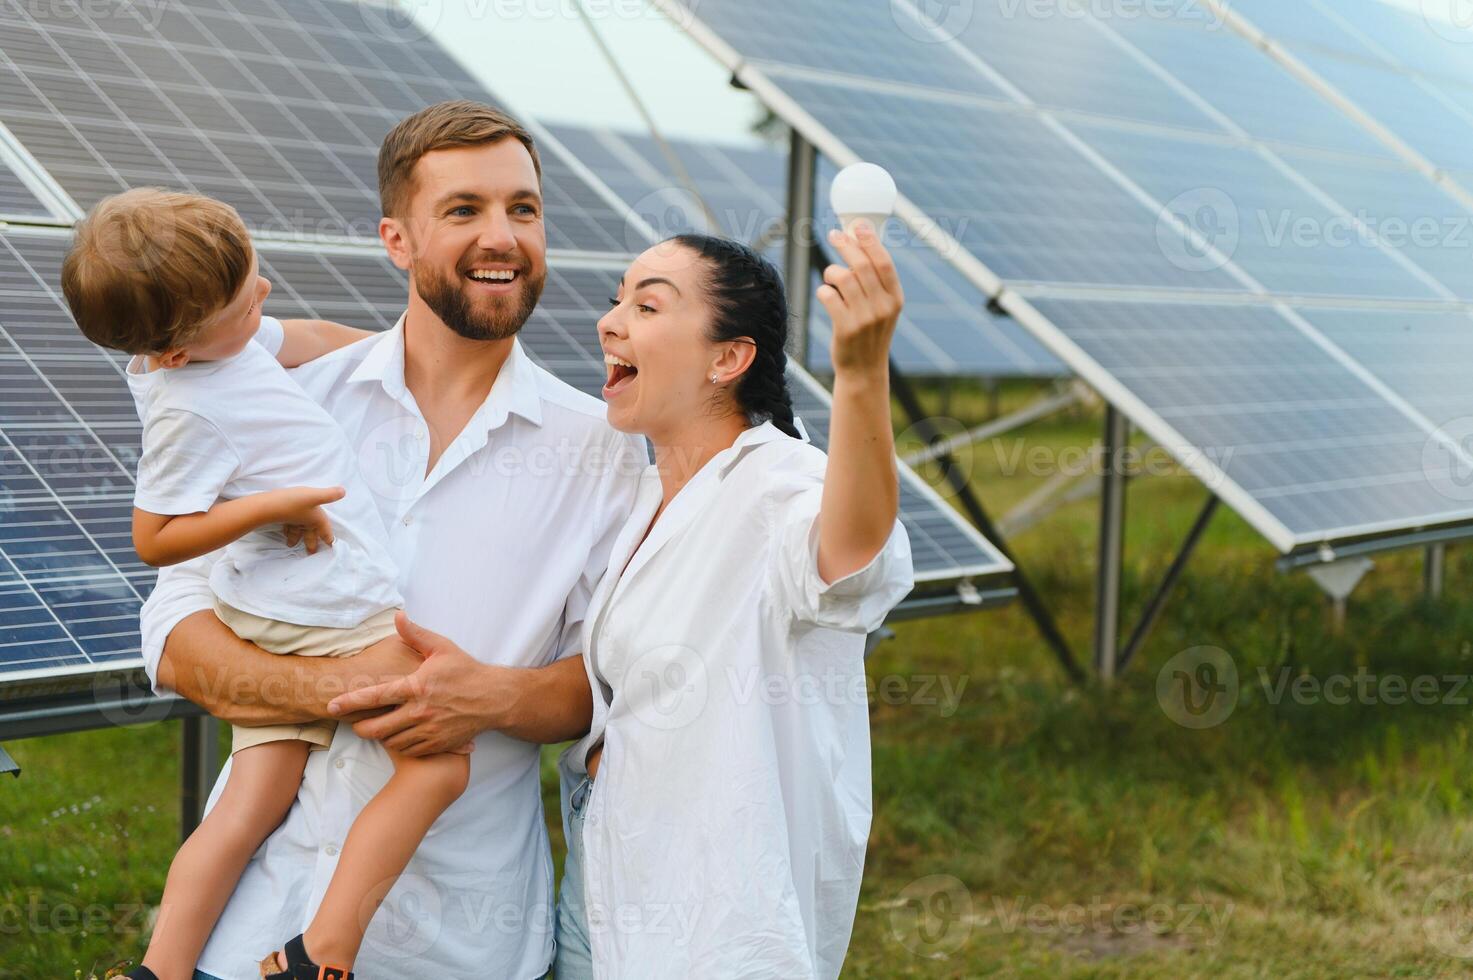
(201, 975)
(574, 959)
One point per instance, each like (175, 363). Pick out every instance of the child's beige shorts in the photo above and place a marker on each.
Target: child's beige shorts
(274, 636)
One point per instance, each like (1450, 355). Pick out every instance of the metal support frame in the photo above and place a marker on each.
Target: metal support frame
(199, 764)
(1163, 592)
(1112, 543)
(973, 508)
(802, 195)
(119, 701)
(1434, 570)
(1027, 415)
(7, 764)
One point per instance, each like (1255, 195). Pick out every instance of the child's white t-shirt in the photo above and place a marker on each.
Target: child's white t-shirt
(219, 430)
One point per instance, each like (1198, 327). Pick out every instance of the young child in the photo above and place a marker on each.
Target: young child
(237, 456)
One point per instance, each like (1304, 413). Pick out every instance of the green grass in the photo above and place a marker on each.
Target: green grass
(1021, 822)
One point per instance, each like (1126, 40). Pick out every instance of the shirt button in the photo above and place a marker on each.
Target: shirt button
(332, 851)
(408, 521)
(339, 763)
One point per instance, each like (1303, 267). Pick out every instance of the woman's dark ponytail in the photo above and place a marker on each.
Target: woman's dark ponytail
(747, 296)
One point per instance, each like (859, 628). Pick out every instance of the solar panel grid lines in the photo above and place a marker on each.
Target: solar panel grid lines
(1362, 89)
(1408, 267)
(1407, 281)
(946, 330)
(303, 128)
(1303, 444)
(1415, 43)
(1133, 185)
(17, 200)
(1280, 510)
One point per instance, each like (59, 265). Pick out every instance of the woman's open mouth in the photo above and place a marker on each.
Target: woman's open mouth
(621, 375)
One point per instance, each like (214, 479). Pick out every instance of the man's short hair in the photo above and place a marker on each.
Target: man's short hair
(148, 269)
(441, 127)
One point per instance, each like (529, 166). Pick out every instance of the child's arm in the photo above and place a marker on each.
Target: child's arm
(307, 340)
(168, 540)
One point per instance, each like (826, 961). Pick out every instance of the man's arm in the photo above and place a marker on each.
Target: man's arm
(453, 697)
(307, 340)
(238, 682)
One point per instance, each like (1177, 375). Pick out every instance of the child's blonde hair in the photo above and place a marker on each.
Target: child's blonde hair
(149, 268)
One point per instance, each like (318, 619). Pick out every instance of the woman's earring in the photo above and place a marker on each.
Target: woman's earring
(713, 379)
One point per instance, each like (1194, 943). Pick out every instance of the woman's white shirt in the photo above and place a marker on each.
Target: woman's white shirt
(725, 836)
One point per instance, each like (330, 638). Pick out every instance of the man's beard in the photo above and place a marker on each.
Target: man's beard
(450, 303)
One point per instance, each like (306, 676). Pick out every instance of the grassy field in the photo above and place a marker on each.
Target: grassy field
(1023, 827)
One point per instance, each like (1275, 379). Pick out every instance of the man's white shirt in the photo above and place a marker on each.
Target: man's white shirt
(499, 548)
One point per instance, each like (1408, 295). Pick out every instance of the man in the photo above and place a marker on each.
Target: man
(497, 551)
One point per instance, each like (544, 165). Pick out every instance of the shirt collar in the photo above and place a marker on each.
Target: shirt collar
(516, 390)
(751, 438)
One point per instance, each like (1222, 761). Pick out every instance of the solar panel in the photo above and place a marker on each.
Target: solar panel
(1404, 105)
(16, 199)
(1422, 354)
(1317, 452)
(1043, 213)
(1152, 247)
(864, 40)
(946, 330)
(1231, 75)
(281, 122)
(1413, 42)
(1271, 227)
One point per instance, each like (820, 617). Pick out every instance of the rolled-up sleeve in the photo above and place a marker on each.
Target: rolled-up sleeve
(182, 590)
(856, 603)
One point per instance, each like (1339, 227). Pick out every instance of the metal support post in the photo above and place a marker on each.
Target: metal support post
(1112, 543)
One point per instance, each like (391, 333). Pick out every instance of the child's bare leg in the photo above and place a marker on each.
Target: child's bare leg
(383, 839)
(262, 785)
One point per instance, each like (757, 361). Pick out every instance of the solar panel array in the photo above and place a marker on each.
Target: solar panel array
(276, 106)
(1191, 225)
(1412, 73)
(946, 330)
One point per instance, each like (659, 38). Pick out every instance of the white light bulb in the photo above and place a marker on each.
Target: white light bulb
(863, 190)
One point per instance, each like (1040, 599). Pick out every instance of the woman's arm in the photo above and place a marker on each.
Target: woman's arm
(861, 493)
(307, 340)
(162, 539)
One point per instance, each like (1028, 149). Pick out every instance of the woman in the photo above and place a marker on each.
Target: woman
(717, 811)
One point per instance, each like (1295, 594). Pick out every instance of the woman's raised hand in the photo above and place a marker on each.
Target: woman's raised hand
(864, 301)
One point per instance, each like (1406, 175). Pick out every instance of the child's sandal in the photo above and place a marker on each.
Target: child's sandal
(299, 965)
